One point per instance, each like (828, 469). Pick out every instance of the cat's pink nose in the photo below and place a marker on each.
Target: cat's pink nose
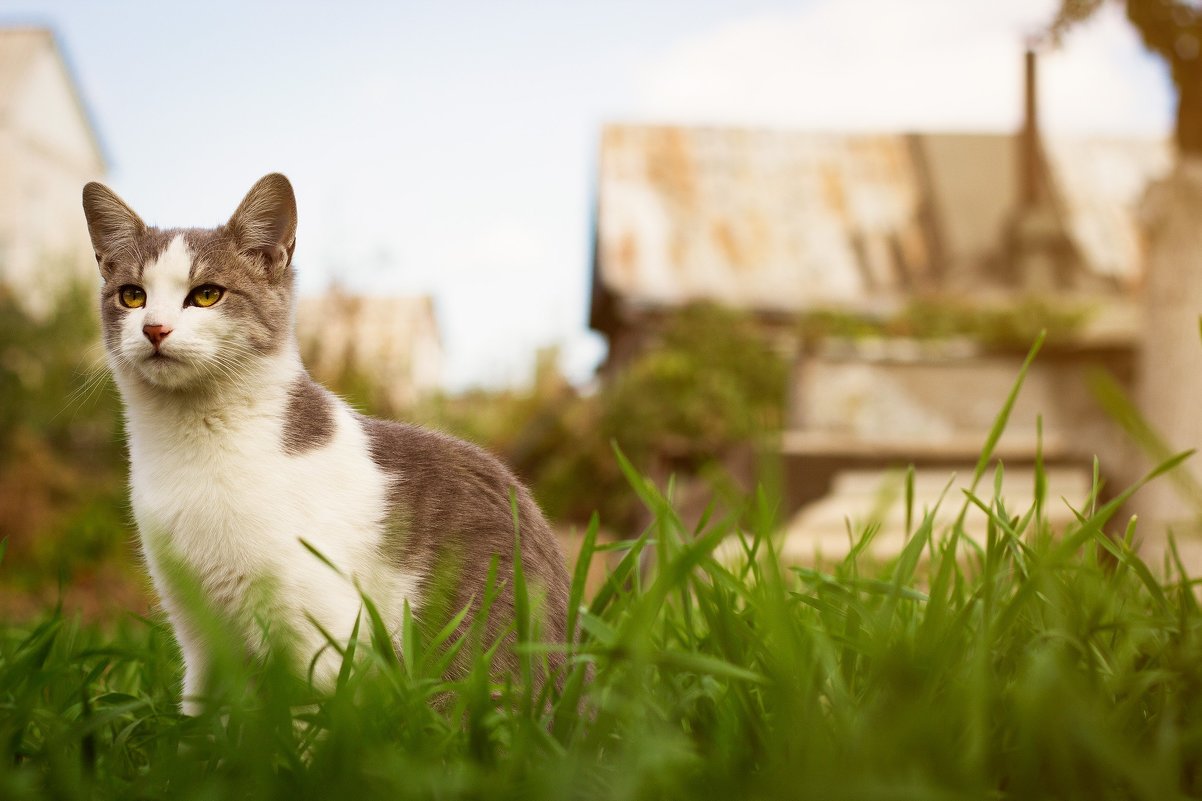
(156, 334)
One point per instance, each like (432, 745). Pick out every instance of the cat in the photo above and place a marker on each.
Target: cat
(237, 455)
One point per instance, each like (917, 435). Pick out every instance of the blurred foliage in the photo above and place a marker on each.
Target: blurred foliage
(358, 389)
(62, 506)
(707, 383)
(1172, 29)
(710, 382)
(1010, 327)
(42, 361)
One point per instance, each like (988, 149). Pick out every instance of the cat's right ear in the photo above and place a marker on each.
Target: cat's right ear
(112, 224)
(264, 226)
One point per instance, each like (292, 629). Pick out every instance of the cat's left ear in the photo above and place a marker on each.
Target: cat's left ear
(264, 226)
(112, 224)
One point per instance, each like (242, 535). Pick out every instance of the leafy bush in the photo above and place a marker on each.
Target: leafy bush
(61, 493)
(1012, 326)
(709, 384)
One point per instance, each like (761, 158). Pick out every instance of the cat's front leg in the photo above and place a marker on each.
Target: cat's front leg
(321, 642)
(196, 674)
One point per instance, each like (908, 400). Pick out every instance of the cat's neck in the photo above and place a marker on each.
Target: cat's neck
(257, 395)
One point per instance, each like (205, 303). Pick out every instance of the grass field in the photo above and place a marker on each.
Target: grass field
(1004, 663)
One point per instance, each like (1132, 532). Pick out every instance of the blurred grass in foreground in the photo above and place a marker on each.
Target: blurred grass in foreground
(1009, 664)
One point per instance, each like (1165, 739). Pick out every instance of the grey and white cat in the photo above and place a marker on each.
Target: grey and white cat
(236, 455)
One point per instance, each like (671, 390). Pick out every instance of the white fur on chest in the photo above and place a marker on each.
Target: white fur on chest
(221, 490)
(214, 491)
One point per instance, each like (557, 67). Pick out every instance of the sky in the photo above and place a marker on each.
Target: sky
(450, 148)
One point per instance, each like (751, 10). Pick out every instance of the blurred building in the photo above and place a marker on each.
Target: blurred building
(785, 224)
(390, 343)
(48, 150)
(781, 223)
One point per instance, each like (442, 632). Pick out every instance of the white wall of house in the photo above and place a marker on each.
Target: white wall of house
(48, 151)
(391, 341)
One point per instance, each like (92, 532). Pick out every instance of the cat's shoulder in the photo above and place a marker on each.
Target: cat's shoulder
(313, 414)
(309, 416)
(397, 446)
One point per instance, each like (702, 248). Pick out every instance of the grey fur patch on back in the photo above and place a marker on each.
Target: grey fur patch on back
(450, 517)
(308, 418)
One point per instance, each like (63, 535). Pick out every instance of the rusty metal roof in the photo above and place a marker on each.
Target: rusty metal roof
(758, 219)
(785, 221)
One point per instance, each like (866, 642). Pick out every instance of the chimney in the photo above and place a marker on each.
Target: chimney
(1041, 255)
(1030, 160)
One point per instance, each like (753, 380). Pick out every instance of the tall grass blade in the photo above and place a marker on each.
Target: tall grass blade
(584, 560)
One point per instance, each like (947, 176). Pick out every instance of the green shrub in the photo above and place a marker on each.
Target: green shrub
(711, 382)
(1009, 326)
(61, 462)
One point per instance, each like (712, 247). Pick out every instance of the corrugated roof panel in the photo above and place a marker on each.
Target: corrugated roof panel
(1099, 184)
(973, 184)
(779, 220)
(758, 219)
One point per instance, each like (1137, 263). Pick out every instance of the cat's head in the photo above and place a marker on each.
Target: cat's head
(185, 308)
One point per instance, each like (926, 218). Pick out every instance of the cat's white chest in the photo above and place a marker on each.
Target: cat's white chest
(209, 495)
(220, 498)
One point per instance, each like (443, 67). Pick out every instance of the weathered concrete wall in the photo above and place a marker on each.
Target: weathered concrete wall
(937, 400)
(863, 498)
(1170, 385)
(862, 407)
(47, 154)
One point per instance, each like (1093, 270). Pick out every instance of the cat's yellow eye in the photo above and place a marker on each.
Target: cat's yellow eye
(206, 295)
(132, 297)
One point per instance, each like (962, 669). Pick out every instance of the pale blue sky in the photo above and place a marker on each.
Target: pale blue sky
(450, 147)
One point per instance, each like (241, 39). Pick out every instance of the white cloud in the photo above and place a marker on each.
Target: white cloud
(917, 65)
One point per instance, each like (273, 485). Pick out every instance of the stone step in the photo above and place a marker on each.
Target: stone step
(818, 533)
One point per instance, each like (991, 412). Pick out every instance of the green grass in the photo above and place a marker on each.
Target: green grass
(1010, 664)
